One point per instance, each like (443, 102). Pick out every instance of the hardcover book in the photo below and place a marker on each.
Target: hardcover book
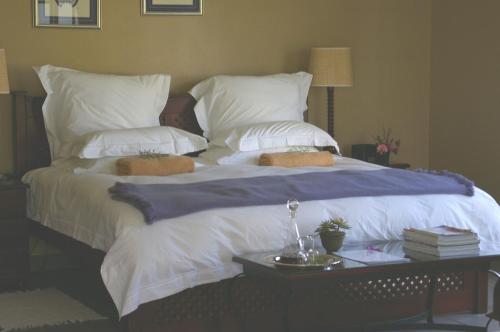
(441, 236)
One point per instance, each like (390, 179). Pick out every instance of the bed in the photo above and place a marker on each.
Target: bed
(217, 302)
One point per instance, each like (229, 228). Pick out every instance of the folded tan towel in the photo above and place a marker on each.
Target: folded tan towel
(157, 166)
(296, 159)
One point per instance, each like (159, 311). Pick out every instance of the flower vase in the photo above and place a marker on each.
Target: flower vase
(382, 159)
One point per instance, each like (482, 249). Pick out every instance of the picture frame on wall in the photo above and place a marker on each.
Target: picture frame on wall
(67, 14)
(172, 7)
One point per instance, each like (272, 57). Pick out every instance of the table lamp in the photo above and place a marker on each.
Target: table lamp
(331, 68)
(4, 79)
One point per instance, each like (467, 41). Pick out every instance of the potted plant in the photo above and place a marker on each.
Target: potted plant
(331, 234)
(385, 144)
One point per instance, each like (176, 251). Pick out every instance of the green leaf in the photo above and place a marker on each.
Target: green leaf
(332, 225)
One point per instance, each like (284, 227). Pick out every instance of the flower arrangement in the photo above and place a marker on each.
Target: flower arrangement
(386, 143)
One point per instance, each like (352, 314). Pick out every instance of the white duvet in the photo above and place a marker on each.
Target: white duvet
(148, 262)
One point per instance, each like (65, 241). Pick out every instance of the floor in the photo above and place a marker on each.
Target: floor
(470, 319)
(81, 286)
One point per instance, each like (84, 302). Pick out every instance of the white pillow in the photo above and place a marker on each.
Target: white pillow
(274, 135)
(94, 166)
(131, 142)
(78, 103)
(226, 102)
(82, 166)
(226, 156)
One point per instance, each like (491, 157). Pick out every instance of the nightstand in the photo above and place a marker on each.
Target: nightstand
(399, 165)
(14, 238)
(367, 152)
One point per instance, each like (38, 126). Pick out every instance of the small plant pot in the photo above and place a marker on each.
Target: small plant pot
(332, 241)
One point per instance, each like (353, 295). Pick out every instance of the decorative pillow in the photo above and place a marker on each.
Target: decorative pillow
(131, 142)
(78, 103)
(226, 156)
(226, 102)
(274, 135)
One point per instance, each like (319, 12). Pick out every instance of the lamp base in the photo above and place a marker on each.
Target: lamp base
(330, 103)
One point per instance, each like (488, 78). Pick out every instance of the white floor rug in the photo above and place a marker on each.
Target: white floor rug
(38, 308)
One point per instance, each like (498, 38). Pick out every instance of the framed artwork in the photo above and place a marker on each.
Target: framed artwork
(172, 7)
(67, 13)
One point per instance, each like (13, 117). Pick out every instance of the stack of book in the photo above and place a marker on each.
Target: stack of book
(442, 241)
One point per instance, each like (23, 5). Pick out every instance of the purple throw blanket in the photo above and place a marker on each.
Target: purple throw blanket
(163, 201)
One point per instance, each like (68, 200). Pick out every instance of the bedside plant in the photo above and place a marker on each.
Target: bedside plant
(331, 234)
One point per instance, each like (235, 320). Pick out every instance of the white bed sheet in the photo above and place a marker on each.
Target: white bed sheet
(148, 262)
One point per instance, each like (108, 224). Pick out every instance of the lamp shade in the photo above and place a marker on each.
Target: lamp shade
(4, 79)
(331, 67)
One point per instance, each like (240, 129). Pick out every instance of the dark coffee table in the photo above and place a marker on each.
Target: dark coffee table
(255, 266)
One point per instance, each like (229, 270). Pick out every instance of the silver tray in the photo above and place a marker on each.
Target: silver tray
(325, 261)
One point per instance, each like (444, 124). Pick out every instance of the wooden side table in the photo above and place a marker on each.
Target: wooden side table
(367, 152)
(14, 238)
(374, 287)
(399, 165)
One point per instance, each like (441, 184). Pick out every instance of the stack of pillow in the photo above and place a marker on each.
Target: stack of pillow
(104, 117)
(246, 116)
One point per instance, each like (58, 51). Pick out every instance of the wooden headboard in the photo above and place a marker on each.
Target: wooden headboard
(31, 148)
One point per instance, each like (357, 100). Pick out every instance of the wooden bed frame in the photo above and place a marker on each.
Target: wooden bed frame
(241, 304)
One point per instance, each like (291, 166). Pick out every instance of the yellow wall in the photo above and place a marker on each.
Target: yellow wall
(465, 111)
(390, 41)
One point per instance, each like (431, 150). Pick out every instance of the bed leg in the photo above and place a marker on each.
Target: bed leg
(481, 305)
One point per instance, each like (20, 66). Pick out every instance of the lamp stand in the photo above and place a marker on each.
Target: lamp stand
(331, 120)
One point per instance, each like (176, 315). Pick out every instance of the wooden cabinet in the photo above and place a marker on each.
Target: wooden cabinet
(14, 239)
